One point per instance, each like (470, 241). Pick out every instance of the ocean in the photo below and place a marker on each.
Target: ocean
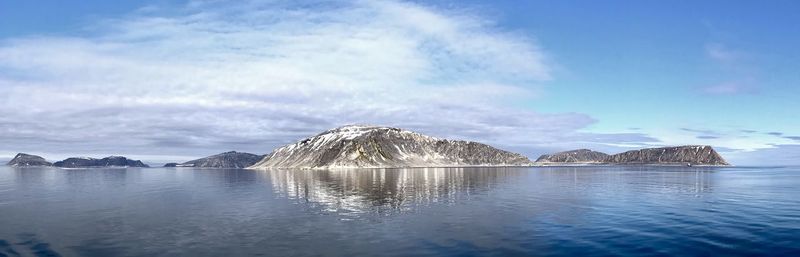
(531, 211)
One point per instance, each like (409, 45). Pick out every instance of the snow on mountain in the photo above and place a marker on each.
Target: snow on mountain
(358, 146)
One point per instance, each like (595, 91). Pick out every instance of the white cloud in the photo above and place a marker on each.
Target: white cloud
(254, 75)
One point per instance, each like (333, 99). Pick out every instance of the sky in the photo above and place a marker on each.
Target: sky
(169, 80)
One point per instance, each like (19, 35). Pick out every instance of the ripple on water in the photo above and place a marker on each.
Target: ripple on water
(586, 211)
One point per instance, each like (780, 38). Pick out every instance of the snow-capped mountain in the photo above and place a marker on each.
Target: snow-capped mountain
(383, 147)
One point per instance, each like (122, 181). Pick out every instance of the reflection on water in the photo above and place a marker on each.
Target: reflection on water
(385, 190)
(569, 211)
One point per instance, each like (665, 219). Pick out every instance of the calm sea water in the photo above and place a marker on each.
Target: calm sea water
(587, 211)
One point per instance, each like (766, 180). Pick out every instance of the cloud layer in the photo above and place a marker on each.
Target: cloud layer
(212, 76)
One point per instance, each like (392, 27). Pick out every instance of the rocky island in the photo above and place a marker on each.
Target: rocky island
(87, 162)
(230, 160)
(384, 147)
(28, 160)
(675, 155)
(574, 156)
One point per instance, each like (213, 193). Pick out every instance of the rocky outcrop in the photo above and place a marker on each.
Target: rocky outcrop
(384, 147)
(111, 161)
(693, 154)
(28, 160)
(231, 160)
(171, 165)
(579, 156)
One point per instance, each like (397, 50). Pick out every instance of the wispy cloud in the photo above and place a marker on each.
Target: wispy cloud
(253, 75)
(731, 88)
(733, 64)
(722, 53)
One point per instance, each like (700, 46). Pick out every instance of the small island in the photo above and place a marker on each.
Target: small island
(674, 155)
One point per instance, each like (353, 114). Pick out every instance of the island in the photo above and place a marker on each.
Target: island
(673, 155)
(228, 160)
(28, 160)
(88, 162)
(357, 146)
(585, 156)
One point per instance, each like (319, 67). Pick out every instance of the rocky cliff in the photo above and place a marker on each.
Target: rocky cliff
(693, 154)
(383, 147)
(111, 161)
(23, 160)
(574, 156)
(231, 160)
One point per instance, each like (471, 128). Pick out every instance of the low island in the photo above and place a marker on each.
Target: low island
(674, 155)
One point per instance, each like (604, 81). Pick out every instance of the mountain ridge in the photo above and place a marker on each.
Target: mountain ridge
(365, 146)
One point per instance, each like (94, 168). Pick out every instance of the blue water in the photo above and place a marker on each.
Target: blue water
(586, 211)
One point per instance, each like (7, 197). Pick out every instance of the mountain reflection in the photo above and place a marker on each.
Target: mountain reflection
(386, 190)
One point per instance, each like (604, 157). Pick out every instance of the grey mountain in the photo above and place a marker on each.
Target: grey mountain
(22, 160)
(111, 161)
(384, 147)
(224, 160)
(574, 156)
(690, 154)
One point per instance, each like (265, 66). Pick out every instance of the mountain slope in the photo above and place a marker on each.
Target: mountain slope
(224, 160)
(384, 147)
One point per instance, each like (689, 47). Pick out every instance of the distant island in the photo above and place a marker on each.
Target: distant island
(29, 160)
(676, 155)
(88, 162)
(384, 147)
(226, 160)
(356, 146)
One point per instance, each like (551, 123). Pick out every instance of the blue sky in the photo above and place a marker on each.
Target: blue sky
(178, 79)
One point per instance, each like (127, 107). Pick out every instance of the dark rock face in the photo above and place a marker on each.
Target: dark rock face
(23, 160)
(574, 156)
(231, 160)
(383, 147)
(170, 165)
(693, 154)
(111, 161)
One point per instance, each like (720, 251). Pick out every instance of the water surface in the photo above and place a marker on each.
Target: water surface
(589, 211)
